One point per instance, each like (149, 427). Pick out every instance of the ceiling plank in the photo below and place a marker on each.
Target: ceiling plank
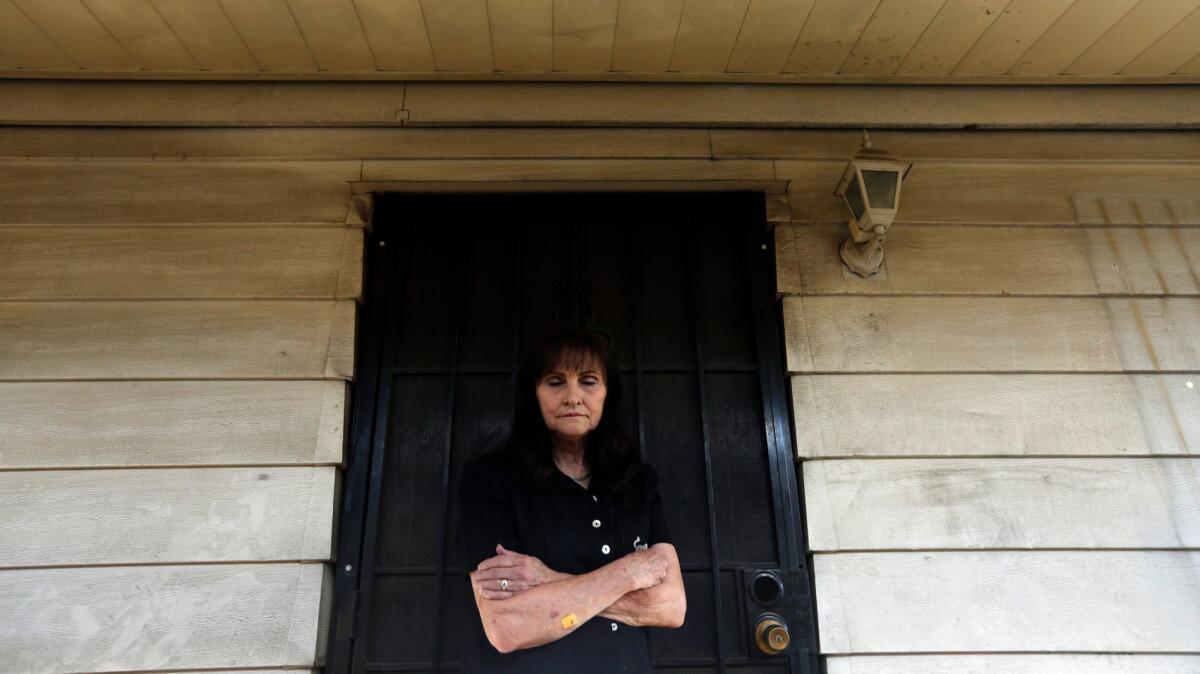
(1190, 68)
(645, 35)
(207, 33)
(1070, 36)
(522, 35)
(334, 34)
(1144, 24)
(827, 38)
(891, 33)
(952, 32)
(77, 31)
(707, 33)
(1171, 51)
(271, 33)
(1010, 36)
(769, 32)
(23, 45)
(583, 35)
(396, 32)
(143, 33)
(812, 41)
(460, 33)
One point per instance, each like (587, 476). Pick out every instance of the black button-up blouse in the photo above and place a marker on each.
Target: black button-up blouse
(572, 530)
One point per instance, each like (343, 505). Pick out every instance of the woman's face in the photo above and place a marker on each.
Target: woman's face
(572, 401)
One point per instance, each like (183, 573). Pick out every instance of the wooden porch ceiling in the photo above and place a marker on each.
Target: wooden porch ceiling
(828, 41)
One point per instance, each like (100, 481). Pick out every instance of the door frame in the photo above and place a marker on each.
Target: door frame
(372, 396)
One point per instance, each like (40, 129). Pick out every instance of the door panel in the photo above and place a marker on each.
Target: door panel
(458, 285)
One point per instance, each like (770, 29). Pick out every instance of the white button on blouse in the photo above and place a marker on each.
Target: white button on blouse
(605, 549)
(595, 524)
(614, 627)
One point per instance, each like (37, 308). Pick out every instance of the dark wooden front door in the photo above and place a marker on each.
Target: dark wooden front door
(457, 285)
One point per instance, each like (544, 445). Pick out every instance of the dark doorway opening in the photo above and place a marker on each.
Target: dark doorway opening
(684, 283)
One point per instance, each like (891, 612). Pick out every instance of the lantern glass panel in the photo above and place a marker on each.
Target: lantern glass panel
(881, 188)
(854, 198)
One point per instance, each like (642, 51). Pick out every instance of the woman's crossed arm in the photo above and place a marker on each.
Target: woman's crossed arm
(662, 605)
(541, 605)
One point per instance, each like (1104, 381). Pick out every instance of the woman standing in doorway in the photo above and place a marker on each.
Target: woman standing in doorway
(563, 526)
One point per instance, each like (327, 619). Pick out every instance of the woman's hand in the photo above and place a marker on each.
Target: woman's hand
(521, 571)
(648, 567)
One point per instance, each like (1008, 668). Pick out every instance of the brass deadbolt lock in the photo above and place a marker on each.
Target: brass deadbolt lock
(771, 635)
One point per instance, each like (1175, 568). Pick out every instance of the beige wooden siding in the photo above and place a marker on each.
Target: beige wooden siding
(996, 414)
(178, 340)
(1002, 261)
(1017, 663)
(1000, 433)
(582, 104)
(39, 192)
(900, 504)
(1000, 334)
(1009, 600)
(987, 193)
(265, 513)
(192, 616)
(94, 424)
(181, 263)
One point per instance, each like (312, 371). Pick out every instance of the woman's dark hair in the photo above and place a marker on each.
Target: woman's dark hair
(610, 453)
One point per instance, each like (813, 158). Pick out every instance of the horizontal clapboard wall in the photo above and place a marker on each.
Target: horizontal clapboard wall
(899, 504)
(112, 190)
(192, 193)
(153, 339)
(93, 424)
(181, 263)
(1001, 600)
(1006, 193)
(262, 513)
(999, 438)
(179, 313)
(166, 103)
(996, 414)
(1013, 663)
(995, 334)
(116, 618)
(937, 260)
(174, 388)
(288, 139)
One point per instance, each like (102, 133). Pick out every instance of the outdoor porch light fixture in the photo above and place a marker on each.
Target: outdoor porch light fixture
(870, 186)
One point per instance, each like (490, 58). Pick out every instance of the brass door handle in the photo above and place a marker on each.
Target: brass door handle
(771, 634)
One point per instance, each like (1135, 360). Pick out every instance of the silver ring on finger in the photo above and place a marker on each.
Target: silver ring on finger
(504, 584)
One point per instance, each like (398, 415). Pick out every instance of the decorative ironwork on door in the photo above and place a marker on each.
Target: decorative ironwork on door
(683, 283)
